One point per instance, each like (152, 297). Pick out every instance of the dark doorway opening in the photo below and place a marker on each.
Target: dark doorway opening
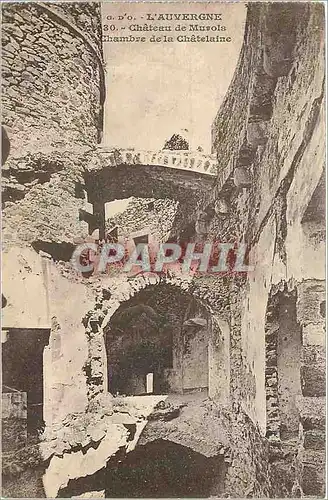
(22, 371)
(139, 350)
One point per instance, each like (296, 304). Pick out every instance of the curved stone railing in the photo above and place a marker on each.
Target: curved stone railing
(182, 160)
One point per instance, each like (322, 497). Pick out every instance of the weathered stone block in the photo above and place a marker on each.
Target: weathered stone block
(92, 494)
(257, 132)
(311, 294)
(221, 207)
(313, 334)
(277, 56)
(283, 477)
(263, 88)
(313, 371)
(242, 177)
(312, 412)
(314, 355)
(246, 155)
(313, 477)
(14, 405)
(314, 440)
(313, 381)
(262, 97)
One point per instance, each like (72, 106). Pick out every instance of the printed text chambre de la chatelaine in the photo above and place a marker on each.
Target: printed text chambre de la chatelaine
(166, 28)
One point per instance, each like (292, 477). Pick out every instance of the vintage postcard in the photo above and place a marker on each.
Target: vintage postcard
(163, 249)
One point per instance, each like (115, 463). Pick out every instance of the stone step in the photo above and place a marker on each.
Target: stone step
(312, 412)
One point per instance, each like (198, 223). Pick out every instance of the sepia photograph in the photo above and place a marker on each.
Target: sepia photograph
(163, 249)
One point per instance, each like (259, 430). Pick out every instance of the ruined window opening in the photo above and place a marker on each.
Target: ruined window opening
(112, 235)
(282, 374)
(22, 365)
(142, 239)
(187, 234)
(315, 211)
(79, 191)
(58, 251)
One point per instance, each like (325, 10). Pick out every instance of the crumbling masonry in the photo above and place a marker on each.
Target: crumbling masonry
(238, 365)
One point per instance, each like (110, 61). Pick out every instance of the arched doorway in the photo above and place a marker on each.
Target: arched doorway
(157, 342)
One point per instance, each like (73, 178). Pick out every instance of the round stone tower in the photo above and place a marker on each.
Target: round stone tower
(53, 84)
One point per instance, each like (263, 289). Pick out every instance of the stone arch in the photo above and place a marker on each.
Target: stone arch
(128, 288)
(173, 176)
(115, 294)
(144, 181)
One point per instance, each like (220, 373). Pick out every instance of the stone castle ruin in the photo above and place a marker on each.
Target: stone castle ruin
(163, 385)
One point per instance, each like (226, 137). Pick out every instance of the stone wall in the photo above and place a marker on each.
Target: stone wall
(269, 197)
(155, 217)
(53, 95)
(242, 444)
(311, 317)
(52, 71)
(275, 136)
(265, 136)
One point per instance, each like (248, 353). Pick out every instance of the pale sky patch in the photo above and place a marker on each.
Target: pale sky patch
(155, 89)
